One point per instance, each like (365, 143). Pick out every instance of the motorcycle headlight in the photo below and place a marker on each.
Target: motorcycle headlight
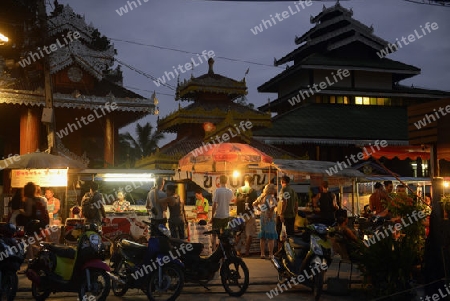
(95, 241)
(315, 246)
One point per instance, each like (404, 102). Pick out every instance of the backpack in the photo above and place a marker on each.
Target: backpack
(243, 198)
(89, 210)
(42, 212)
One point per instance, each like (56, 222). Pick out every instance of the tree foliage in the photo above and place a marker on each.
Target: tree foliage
(144, 143)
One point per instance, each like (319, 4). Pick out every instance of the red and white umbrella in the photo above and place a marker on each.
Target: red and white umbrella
(224, 157)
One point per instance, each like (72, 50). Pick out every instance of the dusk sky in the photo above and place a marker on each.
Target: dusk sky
(225, 28)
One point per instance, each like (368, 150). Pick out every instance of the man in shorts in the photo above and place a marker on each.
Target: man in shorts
(221, 208)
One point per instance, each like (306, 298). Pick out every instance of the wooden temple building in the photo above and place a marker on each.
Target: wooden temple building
(213, 111)
(89, 102)
(338, 95)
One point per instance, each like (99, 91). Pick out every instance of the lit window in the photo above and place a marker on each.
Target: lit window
(374, 101)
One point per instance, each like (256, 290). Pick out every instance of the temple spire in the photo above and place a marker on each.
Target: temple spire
(211, 64)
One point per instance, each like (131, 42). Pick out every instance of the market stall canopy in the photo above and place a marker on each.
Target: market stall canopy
(224, 157)
(408, 152)
(401, 152)
(39, 160)
(312, 167)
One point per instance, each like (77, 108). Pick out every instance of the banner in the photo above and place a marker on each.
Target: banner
(41, 177)
(211, 181)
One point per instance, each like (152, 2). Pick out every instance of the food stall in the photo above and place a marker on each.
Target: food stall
(135, 183)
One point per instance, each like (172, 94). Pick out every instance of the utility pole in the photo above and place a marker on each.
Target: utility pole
(48, 115)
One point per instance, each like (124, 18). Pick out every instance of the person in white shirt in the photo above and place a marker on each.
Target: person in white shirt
(221, 208)
(157, 202)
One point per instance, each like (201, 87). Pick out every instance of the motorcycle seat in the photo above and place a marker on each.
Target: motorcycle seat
(134, 251)
(131, 245)
(62, 250)
(298, 243)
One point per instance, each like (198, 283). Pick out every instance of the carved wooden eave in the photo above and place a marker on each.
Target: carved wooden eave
(229, 124)
(355, 38)
(200, 115)
(68, 20)
(210, 83)
(92, 61)
(325, 11)
(159, 160)
(75, 101)
(358, 26)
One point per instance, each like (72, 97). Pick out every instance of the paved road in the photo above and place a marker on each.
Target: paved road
(263, 278)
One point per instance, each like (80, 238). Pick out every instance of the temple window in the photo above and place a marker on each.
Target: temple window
(374, 101)
(332, 99)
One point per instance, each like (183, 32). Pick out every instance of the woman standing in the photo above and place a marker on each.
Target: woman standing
(267, 203)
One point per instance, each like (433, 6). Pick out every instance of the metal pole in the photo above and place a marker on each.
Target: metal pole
(42, 15)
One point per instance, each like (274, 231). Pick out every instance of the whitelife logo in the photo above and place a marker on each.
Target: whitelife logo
(323, 85)
(148, 268)
(188, 66)
(341, 165)
(124, 9)
(243, 125)
(280, 17)
(417, 215)
(49, 49)
(411, 38)
(86, 120)
(429, 118)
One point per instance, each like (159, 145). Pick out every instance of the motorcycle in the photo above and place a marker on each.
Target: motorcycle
(305, 256)
(12, 256)
(59, 268)
(201, 270)
(135, 266)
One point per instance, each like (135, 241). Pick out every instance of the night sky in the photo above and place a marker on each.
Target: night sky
(225, 29)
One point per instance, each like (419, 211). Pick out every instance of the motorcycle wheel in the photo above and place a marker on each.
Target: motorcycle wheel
(318, 285)
(118, 288)
(171, 284)
(230, 275)
(100, 286)
(9, 287)
(38, 293)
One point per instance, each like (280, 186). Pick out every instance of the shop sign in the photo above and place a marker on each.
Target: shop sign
(41, 177)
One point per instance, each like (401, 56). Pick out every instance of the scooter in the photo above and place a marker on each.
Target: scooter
(305, 256)
(154, 269)
(234, 273)
(81, 269)
(12, 256)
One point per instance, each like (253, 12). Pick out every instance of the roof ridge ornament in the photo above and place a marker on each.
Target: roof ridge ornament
(211, 65)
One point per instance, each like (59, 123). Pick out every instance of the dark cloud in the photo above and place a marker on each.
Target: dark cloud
(224, 27)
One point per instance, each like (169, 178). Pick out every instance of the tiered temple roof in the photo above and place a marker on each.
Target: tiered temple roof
(213, 112)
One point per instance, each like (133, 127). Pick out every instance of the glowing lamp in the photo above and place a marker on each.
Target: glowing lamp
(131, 177)
(446, 184)
(209, 127)
(3, 38)
(236, 173)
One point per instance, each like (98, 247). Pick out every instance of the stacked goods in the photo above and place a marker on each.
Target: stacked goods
(196, 235)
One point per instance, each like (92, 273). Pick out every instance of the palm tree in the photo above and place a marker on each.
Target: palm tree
(145, 144)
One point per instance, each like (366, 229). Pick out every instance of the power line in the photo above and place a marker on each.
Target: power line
(190, 52)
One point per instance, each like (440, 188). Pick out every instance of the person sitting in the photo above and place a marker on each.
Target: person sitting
(346, 236)
(121, 204)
